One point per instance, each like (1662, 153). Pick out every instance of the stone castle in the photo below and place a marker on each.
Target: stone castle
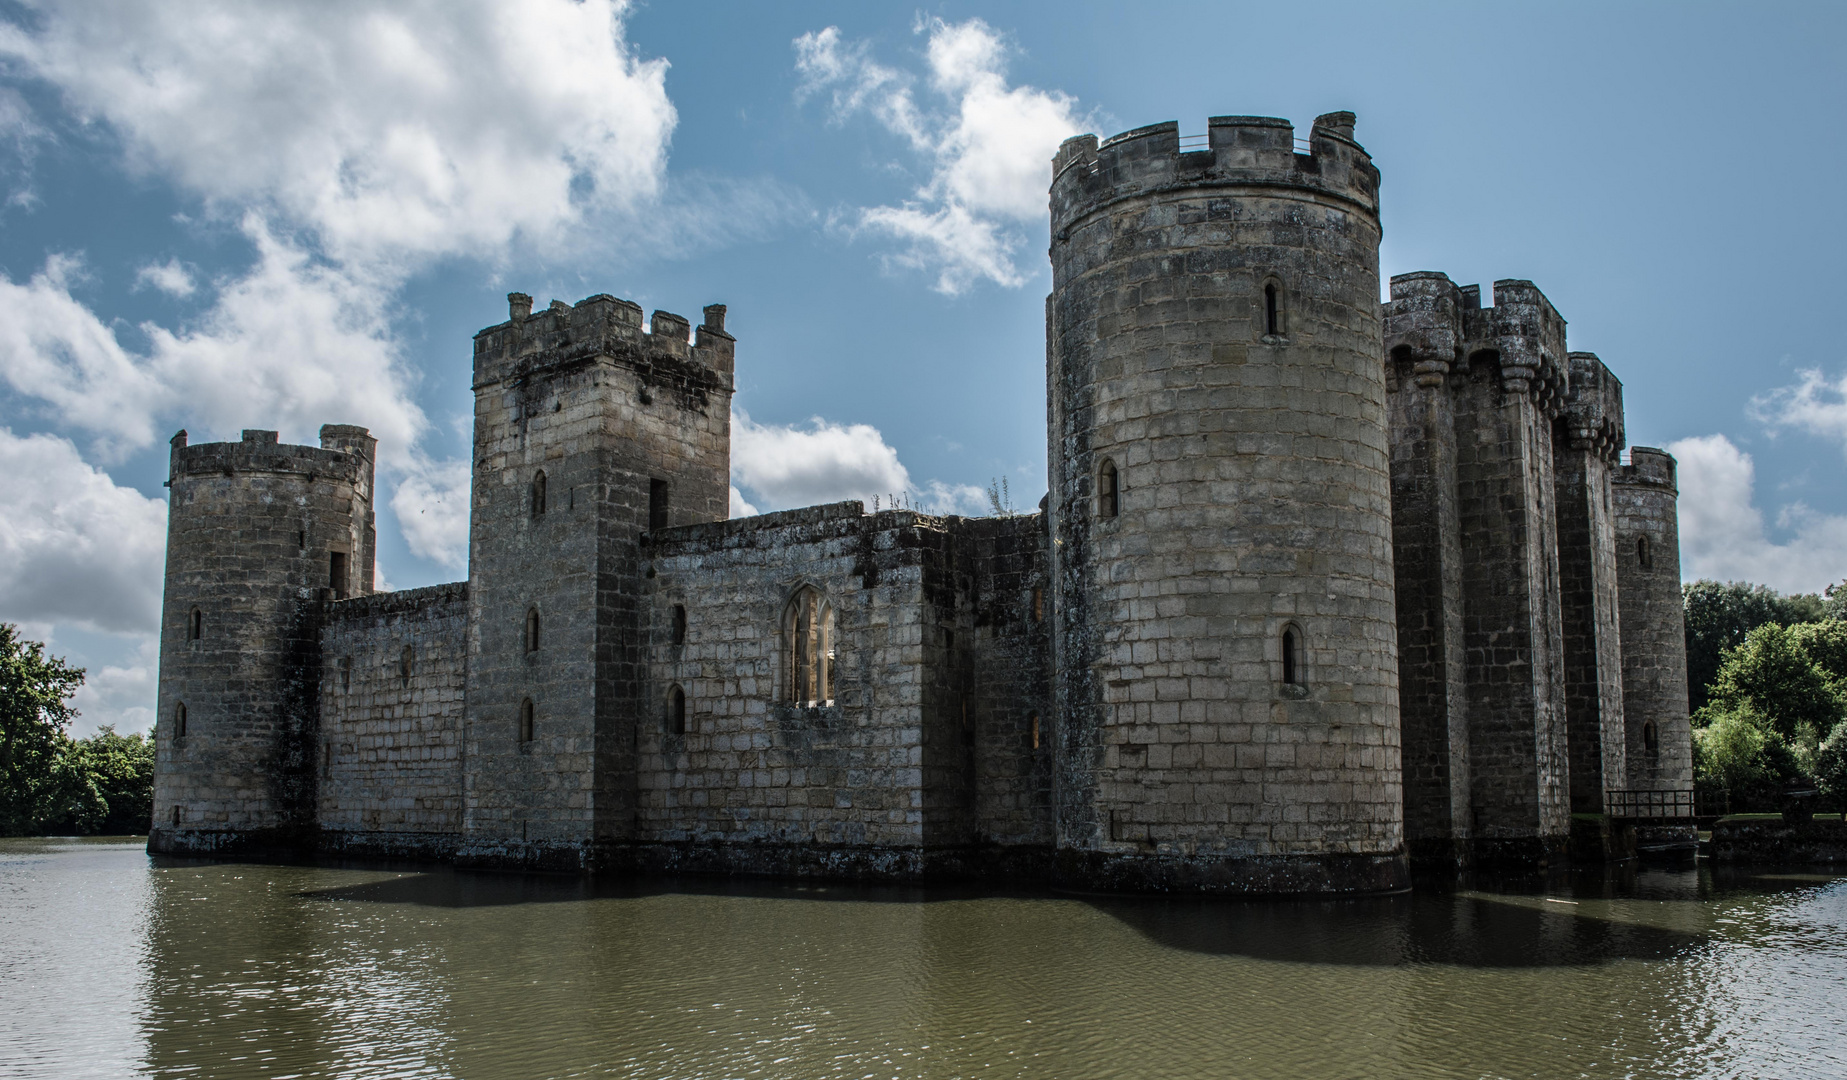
(1322, 587)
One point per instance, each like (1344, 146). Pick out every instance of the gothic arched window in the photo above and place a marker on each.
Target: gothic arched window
(808, 643)
(1109, 490)
(676, 710)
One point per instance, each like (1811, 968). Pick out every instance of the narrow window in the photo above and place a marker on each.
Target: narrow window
(679, 624)
(301, 539)
(179, 719)
(657, 504)
(1643, 555)
(1289, 668)
(949, 639)
(176, 815)
(404, 659)
(336, 574)
(1270, 319)
(538, 493)
(195, 625)
(808, 641)
(676, 710)
(1038, 603)
(346, 673)
(532, 630)
(525, 721)
(1651, 740)
(327, 755)
(1109, 491)
(1032, 726)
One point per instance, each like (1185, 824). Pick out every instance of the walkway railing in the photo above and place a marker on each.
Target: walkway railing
(1633, 805)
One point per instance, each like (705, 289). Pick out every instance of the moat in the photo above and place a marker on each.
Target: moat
(113, 963)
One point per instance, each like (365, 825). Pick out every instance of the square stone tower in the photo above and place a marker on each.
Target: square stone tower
(589, 432)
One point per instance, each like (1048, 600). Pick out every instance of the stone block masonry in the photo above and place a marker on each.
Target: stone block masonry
(1320, 587)
(392, 682)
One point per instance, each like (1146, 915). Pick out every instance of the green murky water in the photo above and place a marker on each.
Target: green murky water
(113, 964)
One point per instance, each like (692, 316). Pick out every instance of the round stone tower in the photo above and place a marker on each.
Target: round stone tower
(1225, 632)
(259, 536)
(1659, 749)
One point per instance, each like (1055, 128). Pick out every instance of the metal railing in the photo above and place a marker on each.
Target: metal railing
(1633, 805)
(1194, 142)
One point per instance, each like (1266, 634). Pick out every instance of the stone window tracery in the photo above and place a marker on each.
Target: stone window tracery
(808, 643)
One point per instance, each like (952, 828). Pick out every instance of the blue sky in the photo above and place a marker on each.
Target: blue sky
(221, 215)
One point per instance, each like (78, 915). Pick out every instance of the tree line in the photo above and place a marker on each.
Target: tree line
(1767, 681)
(50, 783)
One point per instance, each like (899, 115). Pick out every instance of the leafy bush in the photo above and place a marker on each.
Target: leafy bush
(1738, 751)
(1831, 767)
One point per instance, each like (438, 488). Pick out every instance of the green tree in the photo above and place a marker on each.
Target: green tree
(102, 784)
(1793, 677)
(1719, 615)
(35, 710)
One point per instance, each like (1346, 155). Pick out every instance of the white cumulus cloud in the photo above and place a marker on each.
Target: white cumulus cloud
(169, 277)
(120, 695)
(407, 129)
(989, 145)
(785, 466)
(1723, 533)
(76, 548)
(1815, 404)
(431, 504)
(291, 345)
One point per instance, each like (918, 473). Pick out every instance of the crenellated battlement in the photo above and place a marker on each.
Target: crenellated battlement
(605, 326)
(1437, 324)
(1238, 151)
(345, 453)
(1650, 467)
(1593, 413)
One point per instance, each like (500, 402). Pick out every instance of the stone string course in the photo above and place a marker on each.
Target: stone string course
(1321, 587)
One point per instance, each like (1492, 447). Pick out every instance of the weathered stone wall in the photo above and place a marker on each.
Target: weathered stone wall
(1215, 336)
(1506, 400)
(391, 687)
(1586, 447)
(1654, 642)
(937, 676)
(1423, 325)
(615, 419)
(259, 534)
(1001, 589)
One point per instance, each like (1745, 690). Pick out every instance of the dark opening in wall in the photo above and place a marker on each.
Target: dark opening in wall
(1642, 553)
(525, 721)
(679, 624)
(301, 539)
(657, 504)
(346, 673)
(538, 493)
(404, 659)
(1291, 676)
(176, 815)
(1109, 490)
(1651, 739)
(532, 630)
(676, 710)
(1272, 321)
(195, 625)
(179, 719)
(336, 574)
